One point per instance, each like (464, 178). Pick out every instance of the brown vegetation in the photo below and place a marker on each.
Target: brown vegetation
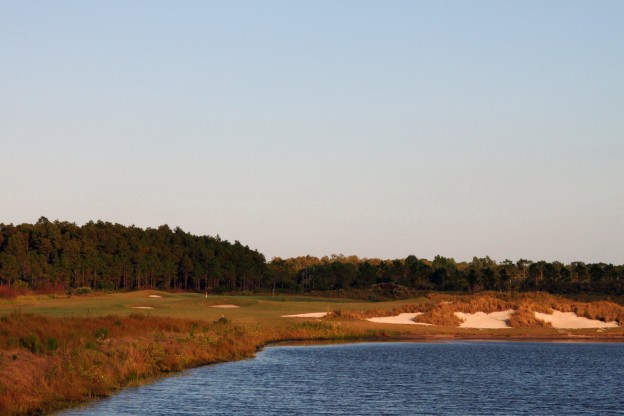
(48, 363)
(524, 317)
(440, 308)
(358, 315)
(11, 292)
(440, 314)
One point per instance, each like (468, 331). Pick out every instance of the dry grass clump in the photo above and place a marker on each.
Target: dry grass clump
(524, 317)
(485, 304)
(602, 310)
(48, 363)
(442, 314)
(11, 292)
(546, 303)
(354, 315)
(525, 306)
(357, 315)
(441, 309)
(433, 313)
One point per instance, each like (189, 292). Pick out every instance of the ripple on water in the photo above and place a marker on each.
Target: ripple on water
(455, 378)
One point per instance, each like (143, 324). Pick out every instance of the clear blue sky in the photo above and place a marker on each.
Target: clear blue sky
(375, 128)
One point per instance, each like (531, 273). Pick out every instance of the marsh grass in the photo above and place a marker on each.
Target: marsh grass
(77, 348)
(84, 358)
(439, 309)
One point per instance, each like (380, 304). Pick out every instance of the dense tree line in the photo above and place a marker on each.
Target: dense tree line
(102, 255)
(444, 274)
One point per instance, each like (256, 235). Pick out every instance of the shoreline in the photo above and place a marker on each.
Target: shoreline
(342, 338)
(50, 361)
(295, 343)
(347, 341)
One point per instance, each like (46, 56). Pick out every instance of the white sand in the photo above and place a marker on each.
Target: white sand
(307, 315)
(402, 319)
(569, 320)
(142, 307)
(225, 306)
(155, 296)
(482, 320)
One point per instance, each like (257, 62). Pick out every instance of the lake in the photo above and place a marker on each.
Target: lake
(450, 378)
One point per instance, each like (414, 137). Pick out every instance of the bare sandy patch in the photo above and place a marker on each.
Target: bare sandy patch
(569, 320)
(482, 320)
(401, 319)
(306, 315)
(142, 307)
(154, 296)
(225, 306)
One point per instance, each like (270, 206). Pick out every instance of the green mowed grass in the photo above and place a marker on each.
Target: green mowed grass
(263, 310)
(260, 309)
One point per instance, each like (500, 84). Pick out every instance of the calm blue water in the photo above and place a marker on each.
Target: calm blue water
(454, 378)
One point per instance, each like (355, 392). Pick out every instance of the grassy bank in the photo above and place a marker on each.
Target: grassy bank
(56, 351)
(49, 363)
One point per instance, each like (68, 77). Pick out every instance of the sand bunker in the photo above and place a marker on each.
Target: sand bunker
(482, 320)
(307, 315)
(142, 307)
(569, 320)
(402, 319)
(225, 306)
(155, 296)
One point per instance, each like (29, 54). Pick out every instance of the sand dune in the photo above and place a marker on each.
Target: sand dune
(402, 319)
(155, 296)
(225, 306)
(482, 320)
(569, 320)
(142, 307)
(478, 320)
(307, 315)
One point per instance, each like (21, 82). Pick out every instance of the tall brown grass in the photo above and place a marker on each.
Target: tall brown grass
(355, 315)
(50, 363)
(524, 316)
(11, 292)
(440, 308)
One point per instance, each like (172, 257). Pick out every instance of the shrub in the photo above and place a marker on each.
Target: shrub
(12, 341)
(81, 291)
(441, 315)
(11, 292)
(524, 317)
(51, 344)
(32, 343)
(101, 333)
(192, 329)
(90, 345)
(48, 288)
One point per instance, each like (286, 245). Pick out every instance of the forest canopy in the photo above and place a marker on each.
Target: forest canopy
(102, 255)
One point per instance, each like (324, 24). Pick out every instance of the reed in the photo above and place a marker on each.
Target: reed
(93, 357)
